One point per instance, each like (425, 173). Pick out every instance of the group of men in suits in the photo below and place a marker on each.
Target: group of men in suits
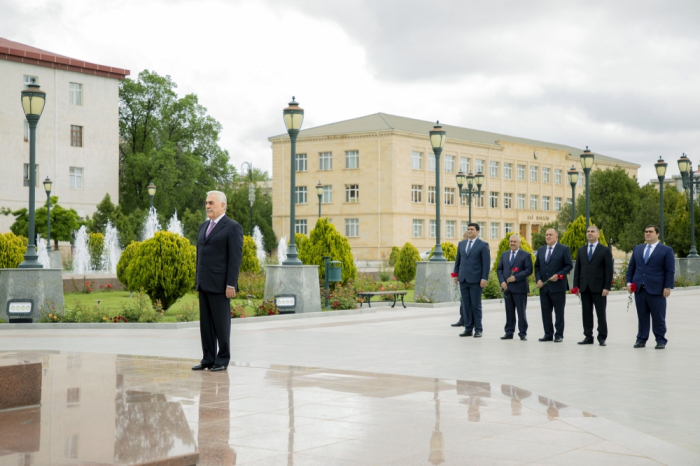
(651, 269)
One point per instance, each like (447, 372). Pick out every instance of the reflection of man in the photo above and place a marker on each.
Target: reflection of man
(460, 322)
(651, 269)
(212, 438)
(515, 286)
(516, 394)
(472, 269)
(219, 254)
(552, 260)
(593, 276)
(553, 407)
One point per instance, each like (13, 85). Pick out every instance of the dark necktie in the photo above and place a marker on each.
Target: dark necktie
(646, 253)
(212, 224)
(549, 254)
(590, 252)
(512, 258)
(469, 246)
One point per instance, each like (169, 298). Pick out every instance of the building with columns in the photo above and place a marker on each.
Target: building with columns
(378, 177)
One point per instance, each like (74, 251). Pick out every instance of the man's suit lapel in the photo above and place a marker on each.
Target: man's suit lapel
(217, 228)
(472, 249)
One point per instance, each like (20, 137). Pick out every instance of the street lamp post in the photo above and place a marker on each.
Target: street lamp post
(587, 163)
(437, 140)
(47, 187)
(293, 118)
(319, 193)
(151, 188)
(469, 192)
(572, 175)
(33, 99)
(690, 180)
(661, 173)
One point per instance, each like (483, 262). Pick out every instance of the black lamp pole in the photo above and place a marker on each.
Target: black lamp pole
(689, 181)
(33, 99)
(293, 118)
(587, 163)
(573, 174)
(47, 188)
(661, 173)
(437, 140)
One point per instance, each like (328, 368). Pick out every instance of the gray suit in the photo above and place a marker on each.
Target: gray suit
(471, 268)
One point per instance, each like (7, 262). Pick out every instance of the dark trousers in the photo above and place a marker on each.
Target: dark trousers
(550, 301)
(215, 327)
(588, 300)
(471, 306)
(516, 301)
(653, 306)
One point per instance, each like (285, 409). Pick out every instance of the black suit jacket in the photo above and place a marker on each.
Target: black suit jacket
(219, 256)
(523, 262)
(560, 263)
(596, 275)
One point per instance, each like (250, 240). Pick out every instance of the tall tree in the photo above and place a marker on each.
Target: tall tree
(614, 197)
(239, 210)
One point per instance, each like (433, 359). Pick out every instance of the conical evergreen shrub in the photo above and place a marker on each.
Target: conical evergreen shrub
(326, 241)
(250, 262)
(96, 246)
(449, 251)
(575, 236)
(405, 268)
(123, 264)
(12, 250)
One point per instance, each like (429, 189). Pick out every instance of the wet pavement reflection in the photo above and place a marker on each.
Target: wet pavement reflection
(117, 409)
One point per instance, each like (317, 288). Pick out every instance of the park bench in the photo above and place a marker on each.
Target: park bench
(368, 295)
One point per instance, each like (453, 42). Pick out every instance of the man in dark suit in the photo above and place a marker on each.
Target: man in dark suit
(515, 286)
(472, 269)
(552, 260)
(593, 275)
(460, 322)
(219, 255)
(652, 269)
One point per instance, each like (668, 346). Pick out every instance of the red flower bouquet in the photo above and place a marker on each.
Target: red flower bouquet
(559, 277)
(633, 289)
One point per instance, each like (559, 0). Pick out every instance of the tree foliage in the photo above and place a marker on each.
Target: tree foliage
(63, 221)
(238, 208)
(326, 241)
(191, 220)
(250, 261)
(164, 266)
(96, 245)
(394, 255)
(123, 264)
(300, 240)
(449, 251)
(12, 250)
(405, 268)
(575, 236)
(614, 199)
(106, 212)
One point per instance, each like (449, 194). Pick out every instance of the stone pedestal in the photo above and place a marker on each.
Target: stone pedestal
(40, 286)
(688, 267)
(20, 383)
(56, 261)
(434, 282)
(298, 280)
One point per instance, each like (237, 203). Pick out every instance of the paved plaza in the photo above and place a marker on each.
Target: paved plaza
(400, 387)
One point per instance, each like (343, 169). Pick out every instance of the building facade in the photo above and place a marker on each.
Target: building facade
(77, 136)
(378, 177)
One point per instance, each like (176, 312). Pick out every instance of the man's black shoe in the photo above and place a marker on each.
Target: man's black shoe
(602, 343)
(640, 344)
(660, 346)
(465, 334)
(477, 334)
(458, 324)
(586, 341)
(546, 339)
(217, 367)
(507, 337)
(558, 339)
(200, 367)
(523, 338)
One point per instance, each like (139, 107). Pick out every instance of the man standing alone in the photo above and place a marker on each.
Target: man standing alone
(472, 269)
(552, 261)
(593, 277)
(515, 286)
(219, 255)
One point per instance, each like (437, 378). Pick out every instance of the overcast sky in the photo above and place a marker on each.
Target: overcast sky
(619, 76)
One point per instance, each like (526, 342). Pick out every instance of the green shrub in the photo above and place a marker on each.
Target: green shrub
(620, 279)
(251, 285)
(326, 241)
(123, 264)
(164, 266)
(504, 246)
(266, 308)
(96, 246)
(493, 289)
(250, 262)
(449, 251)
(12, 250)
(394, 256)
(405, 268)
(366, 282)
(343, 297)
(189, 312)
(575, 236)
(300, 240)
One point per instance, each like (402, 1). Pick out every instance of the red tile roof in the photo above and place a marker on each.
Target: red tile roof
(14, 51)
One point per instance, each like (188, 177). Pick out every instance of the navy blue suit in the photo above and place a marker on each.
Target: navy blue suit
(651, 278)
(471, 269)
(553, 294)
(516, 296)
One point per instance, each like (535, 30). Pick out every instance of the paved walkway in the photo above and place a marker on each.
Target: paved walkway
(648, 390)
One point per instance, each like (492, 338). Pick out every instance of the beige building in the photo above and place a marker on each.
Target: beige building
(77, 136)
(378, 177)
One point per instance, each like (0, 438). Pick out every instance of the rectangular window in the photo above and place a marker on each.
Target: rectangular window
(494, 230)
(521, 172)
(545, 174)
(581, 179)
(450, 196)
(417, 228)
(300, 226)
(76, 178)
(480, 166)
(508, 228)
(507, 171)
(76, 136)
(416, 193)
(300, 194)
(432, 228)
(479, 200)
(493, 169)
(301, 162)
(533, 174)
(431, 194)
(493, 198)
(352, 159)
(26, 130)
(73, 395)
(416, 160)
(521, 202)
(75, 93)
(533, 202)
(464, 165)
(557, 176)
(431, 162)
(325, 161)
(30, 80)
(568, 200)
(507, 200)
(557, 204)
(352, 193)
(449, 228)
(352, 227)
(482, 229)
(449, 164)
(464, 199)
(327, 196)
(465, 225)
(26, 174)
(545, 202)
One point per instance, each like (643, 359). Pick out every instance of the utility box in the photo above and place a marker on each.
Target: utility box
(334, 272)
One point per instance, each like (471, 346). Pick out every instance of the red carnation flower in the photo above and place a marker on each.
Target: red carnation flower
(453, 275)
(515, 270)
(633, 288)
(560, 277)
(574, 290)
